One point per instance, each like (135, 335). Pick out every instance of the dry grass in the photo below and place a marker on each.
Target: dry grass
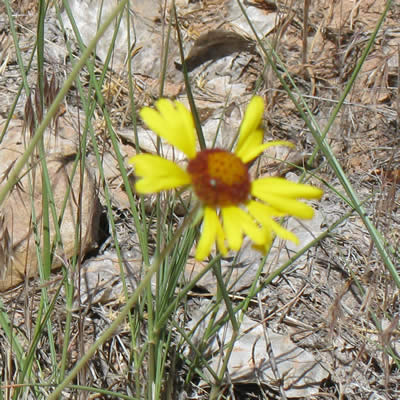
(340, 302)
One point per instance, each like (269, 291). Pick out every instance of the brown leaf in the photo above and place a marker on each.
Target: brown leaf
(389, 175)
(214, 45)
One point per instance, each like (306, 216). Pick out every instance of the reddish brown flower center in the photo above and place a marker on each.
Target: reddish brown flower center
(219, 178)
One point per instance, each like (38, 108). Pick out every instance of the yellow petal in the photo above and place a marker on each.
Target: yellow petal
(285, 205)
(157, 174)
(264, 248)
(232, 229)
(174, 123)
(251, 121)
(212, 230)
(262, 213)
(282, 194)
(236, 222)
(282, 187)
(284, 233)
(267, 210)
(253, 147)
(221, 239)
(248, 146)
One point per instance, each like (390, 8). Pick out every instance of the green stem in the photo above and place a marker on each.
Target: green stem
(146, 280)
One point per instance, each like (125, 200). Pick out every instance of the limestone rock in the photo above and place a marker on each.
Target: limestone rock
(249, 361)
(21, 229)
(101, 281)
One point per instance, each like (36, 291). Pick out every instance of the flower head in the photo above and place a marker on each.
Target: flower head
(232, 204)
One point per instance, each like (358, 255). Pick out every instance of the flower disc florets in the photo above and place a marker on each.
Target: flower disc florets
(219, 178)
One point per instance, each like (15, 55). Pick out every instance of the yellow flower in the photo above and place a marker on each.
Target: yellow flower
(232, 204)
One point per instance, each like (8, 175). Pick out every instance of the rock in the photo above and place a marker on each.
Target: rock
(144, 33)
(88, 16)
(263, 20)
(100, 278)
(21, 213)
(249, 361)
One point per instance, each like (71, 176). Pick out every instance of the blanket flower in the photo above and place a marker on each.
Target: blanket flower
(232, 204)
